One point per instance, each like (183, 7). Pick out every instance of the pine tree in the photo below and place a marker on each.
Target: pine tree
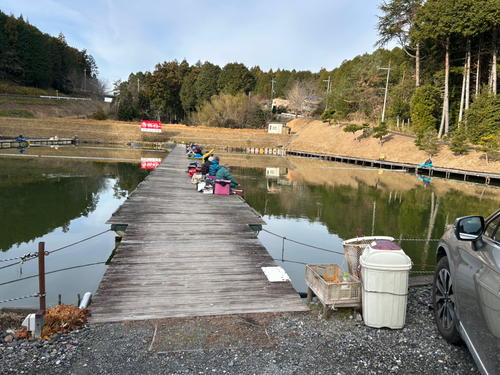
(380, 131)
(353, 128)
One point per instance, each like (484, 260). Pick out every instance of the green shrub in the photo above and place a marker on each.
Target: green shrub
(100, 115)
(424, 107)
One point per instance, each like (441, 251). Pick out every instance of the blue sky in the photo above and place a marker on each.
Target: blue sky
(129, 36)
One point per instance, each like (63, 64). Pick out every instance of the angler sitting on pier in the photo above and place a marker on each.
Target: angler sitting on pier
(214, 167)
(224, 174)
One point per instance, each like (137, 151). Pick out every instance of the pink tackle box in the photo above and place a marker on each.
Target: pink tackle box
(222, 187)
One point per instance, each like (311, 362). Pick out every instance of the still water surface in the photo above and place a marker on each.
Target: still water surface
(64, 196)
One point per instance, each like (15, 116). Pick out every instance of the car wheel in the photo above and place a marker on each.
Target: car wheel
(443, 298)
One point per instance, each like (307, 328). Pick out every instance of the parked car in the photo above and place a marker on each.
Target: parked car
(466, 288)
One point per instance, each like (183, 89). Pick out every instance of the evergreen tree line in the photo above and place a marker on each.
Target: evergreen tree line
(453, 47)
(31, 58)
(441, 81)
(204, 93)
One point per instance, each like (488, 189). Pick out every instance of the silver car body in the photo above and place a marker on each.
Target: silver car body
(474, 267)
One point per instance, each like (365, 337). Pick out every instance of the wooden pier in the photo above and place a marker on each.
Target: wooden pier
(14, 143)
(186, 254)
(446, 173)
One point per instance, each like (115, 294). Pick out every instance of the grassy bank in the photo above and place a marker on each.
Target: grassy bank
(316, 136)
(123, 132)
(307, 135)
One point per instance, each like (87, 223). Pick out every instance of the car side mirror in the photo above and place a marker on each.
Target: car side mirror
(469, 228)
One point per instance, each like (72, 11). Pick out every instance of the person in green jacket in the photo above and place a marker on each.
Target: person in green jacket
(224, 174)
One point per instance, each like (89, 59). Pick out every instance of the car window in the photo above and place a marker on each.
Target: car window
(492, 229)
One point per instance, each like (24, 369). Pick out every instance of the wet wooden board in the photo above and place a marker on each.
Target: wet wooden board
(187, 254)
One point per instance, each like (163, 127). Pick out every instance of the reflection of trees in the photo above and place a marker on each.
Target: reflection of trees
(32, 205)
(412, 214)
(31, 210)
(128, 176)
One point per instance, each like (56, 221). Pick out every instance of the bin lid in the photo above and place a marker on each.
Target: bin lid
(385, 255)
(384, 245)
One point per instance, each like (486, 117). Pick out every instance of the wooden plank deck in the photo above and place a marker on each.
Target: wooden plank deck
(187, 254)
(415, 168)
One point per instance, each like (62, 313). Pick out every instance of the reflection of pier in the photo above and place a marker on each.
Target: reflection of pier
(447, 173)
(13, 143)
(186, 253)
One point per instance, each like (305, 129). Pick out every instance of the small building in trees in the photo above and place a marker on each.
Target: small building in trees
(278, 128)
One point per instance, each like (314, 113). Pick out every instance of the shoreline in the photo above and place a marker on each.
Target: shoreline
(307, 136)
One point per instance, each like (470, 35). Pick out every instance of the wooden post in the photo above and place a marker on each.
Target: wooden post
(326, 311)
(79, 299)
(41, 274)
(309, 295)
(59, 300)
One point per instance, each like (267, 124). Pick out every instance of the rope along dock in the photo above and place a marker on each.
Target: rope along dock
(187, 254)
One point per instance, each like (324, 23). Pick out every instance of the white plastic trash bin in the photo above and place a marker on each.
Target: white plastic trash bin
(384, 273)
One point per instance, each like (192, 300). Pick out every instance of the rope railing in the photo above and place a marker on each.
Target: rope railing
(31, 256)
(18, 298)
(417, 239)
(341, 253)
(23, 258)
(303, 244)
(78, 242)
(305, 264)
(55, 271)
(41, 254)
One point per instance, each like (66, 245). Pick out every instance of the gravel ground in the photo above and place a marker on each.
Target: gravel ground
(301, 343)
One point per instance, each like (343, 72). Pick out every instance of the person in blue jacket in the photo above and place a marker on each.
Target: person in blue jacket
(214, 167)
(224, 174)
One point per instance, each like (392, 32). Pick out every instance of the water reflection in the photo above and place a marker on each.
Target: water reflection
(60, 201)
(61, 197)
(323, 203)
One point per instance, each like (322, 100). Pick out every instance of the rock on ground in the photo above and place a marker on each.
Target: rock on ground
(301, 343)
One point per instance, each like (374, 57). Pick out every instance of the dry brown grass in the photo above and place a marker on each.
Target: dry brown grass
(308, 135)
(316, 136)
(120, 132)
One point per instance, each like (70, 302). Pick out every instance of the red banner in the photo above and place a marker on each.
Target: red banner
(151, 126)
(149, 163)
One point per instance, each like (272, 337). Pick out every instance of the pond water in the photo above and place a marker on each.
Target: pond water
(62, 196)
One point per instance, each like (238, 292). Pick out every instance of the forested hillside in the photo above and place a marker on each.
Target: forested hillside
(29, 57)
(439, 82)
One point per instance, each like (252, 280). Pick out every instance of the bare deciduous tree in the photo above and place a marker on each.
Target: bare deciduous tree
(298, 97)
(97, 86)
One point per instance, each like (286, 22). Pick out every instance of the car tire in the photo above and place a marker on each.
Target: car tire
(443, 299)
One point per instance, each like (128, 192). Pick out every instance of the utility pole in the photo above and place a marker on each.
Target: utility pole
(386, 87)
(272, 92)
(138, 79)
(85, 79)
(328, 89)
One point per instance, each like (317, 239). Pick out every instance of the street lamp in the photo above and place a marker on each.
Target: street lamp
(386, 86)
